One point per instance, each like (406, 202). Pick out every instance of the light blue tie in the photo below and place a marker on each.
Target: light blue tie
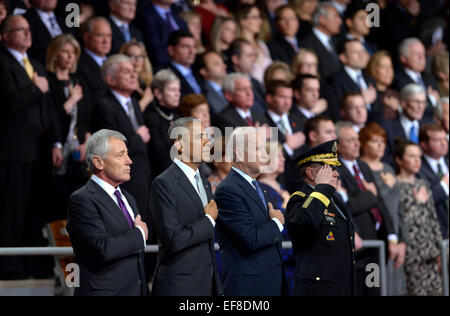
(193, 83)
(413, 135)
(125, 32)
(260, 193)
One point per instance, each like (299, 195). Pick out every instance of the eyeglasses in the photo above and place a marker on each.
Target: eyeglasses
(19, 29)
(137, 57)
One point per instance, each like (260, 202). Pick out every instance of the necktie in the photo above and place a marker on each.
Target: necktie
(249, 121)
(132, 115)
(374, 210)
(260, 193)
(54, 27)
(282, 127)
(359, 82)
(193, 83)
(126, 32)
(28, 67)
(169, 21)
(368, 48)
(123, 208)
(413, 134)
(201, 189)
(420, 82)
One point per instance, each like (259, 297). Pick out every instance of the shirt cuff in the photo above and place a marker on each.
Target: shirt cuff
(392, 237)
(289, 151)
(432, 100)
(143, 234)
(280, 226)
(213, 222)
(344, 196)
(444, 186)
(58, 145)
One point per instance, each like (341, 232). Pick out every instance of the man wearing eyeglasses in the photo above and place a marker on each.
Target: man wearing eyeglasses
(22, 90)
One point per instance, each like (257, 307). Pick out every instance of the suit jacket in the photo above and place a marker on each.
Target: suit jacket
(281, 49)
(186, 260)
(250, 242)
(184, 84)
(108, 113)
(439, 196)
(156, 35)
(229, 117)
(259, 94)
(40, 35)
(118, 39)
(216, 102)
(360, 202)
(328, 62)
(340, 84)
(109, 253)
(23, 110)
(321, 234)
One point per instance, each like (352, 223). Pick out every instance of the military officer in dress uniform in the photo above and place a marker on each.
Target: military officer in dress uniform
(321, 229)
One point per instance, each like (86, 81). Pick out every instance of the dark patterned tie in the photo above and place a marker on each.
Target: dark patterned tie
(123, 208)
(249, 121)
(260, 193)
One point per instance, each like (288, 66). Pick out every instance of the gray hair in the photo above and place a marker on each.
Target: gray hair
(403, 48)
(98, 144)
(322, 10)
(238, 135)
(112, 65)
(229, 83)
(89, 24)
(162, 78)
(177, 124)
(411, 89)
(439, 109)
(340, 126)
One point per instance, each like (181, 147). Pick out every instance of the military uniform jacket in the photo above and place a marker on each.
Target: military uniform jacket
(323, 242)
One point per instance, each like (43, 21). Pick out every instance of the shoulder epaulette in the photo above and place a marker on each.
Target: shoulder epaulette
(299, 193)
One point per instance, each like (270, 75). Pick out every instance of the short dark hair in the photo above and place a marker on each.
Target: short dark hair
(343, 46)
(274, 85)
(280, 10)
(400, 148)
(298, 82)
(353, 9)
(176, 36)
(349, 95)
(313, 125)
(236, 47)
(200, 60)
(425, 129)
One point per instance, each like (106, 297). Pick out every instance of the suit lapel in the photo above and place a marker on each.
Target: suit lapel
(186, 185)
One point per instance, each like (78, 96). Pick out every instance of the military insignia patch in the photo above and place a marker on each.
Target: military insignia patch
(330, 236)
(326, 213)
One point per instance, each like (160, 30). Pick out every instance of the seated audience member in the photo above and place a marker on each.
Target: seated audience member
(213, 70)
(285, 45)
(441, 114)
(269, 8)
(327, 23)
(354, 110)
(138, 55)
(209, 12)
(413, 62)
(121, 14)
(278, 71)
(250, 21)
(380, 68)
(241, 58)
(307, 102)
(3, 12)
(44, 25)
(369, 212)
(181, 48)
(352, 79)
(224, 31)
(239, 94)
(305, 10)
(157, 21)
(440, 69)
(194, 24)
(220, 166)
(373, 143)
(118, 111)
(407, 124)
(423, 250)
(72, 125)
(159, 116)
(355, 19)
(434, 144)
(305, 62)
(96, 33)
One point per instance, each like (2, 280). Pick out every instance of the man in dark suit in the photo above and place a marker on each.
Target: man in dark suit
(97, 45)
(181, 48)
(286, 44)
(413, 58)
(249, 229)
(122, 13)
(44, 25)
(184, 215)
(238, 92)
(118, 111)
(351, 78)
(355, 21)
(104, 225)
(434, 169)
(370, 215)
(157, 21)
(321, 228)
(327, 23)
(211, 67)
(23, 87)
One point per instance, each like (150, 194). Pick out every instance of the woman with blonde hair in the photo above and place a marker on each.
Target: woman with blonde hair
(278, 71)
(305, 10)
(223, 32)
(194, 23)
(305, 62)
(138, 54)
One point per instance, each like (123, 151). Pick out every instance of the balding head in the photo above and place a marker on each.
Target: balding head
(16, 33)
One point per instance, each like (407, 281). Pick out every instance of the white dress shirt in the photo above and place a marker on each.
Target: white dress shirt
(122, 100)
(306, 113)
(109, 189)
(323, 38)
(277, 119)
(250, 180)
(434, 166)
(98, 60)
(18, 55)
(244, 114)
(45, 18)
(407, 124)
(190, 174)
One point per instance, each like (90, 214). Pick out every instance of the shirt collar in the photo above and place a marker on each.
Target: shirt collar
(434, 163)
(44, 15)
(353, 73)
(105, 185)
(323, 38)
(188, 171)
(117, 21)
(17, 55)
(413, 75)
(243, 175)
(305, 112)
(161, 11)
(243, 114)
(122, 99)
(215, 86)
(349, 164)
(407, 124)
(98, 60)
(183, 70)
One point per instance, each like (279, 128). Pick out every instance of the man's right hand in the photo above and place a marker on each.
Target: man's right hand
(273, 213)
(324, 176)
(144, 132)
(211, 209)
(139, 223)
(41, 83)
(445, 179)
(295, 140)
